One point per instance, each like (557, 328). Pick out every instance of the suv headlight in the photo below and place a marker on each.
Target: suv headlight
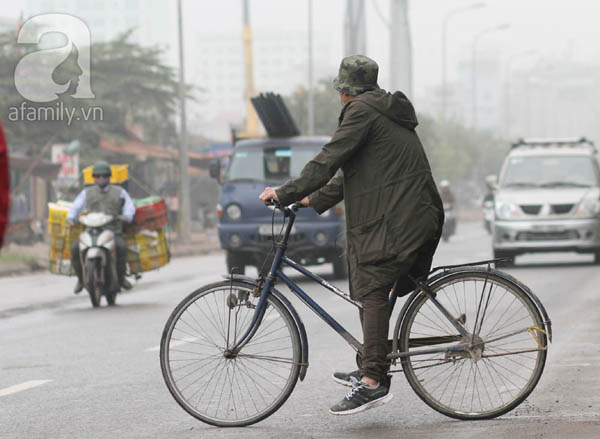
(234, 211)
(506, 210)
(588, 207)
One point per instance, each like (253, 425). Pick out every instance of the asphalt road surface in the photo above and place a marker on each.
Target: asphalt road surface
(70, 371)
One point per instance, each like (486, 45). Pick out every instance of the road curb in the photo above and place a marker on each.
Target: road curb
(20, 269)
(201, 245)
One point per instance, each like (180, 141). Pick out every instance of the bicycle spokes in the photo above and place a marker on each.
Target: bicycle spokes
(488, 371)
(217, 385)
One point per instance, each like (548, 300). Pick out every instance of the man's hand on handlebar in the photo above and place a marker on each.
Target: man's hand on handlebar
(267, 195)
(304, 202)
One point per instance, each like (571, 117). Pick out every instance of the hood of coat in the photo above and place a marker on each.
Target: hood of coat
(395, 106)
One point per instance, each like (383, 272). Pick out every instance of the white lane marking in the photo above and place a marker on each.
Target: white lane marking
(573, 365)
(517, 417)
(173, 343)
(23, 386)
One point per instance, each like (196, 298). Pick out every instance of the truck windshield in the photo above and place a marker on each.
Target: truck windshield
(269, 164)
(550, 171)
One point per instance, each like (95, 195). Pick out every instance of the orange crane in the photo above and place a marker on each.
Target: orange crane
(251, 126)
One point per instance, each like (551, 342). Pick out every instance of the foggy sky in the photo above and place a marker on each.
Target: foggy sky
(554, 33)
(552, 27)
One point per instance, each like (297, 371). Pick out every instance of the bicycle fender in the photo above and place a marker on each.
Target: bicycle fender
(533, 297)
(295, 317)
(538, 303)
(507, 277)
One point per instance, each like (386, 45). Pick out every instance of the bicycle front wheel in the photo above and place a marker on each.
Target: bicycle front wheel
(228, 390)
(491, 370)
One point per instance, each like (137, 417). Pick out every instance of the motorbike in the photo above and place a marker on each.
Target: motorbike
(98, 255)
(488, 215)
(449, 227)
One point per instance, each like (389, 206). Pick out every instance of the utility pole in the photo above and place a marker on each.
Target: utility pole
(508, 91)
(355, 33)
(311, 97)
(184, 158)
(251, 116)
(400, 48)
(447, 17)
(484, 32)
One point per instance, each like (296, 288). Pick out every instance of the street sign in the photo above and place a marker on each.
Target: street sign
(69, 171)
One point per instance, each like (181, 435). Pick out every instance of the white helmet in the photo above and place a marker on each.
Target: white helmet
(490, 180)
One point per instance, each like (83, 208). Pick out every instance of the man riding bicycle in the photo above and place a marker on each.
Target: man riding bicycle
(375, 162)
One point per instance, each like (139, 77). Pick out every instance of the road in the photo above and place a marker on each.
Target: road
(70, 371)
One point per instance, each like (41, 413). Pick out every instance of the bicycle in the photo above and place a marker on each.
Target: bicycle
(471, 341)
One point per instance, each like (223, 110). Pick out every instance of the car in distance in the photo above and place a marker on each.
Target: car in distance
(547, 199)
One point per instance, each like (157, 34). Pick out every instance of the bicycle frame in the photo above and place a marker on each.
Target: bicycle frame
(276, 272)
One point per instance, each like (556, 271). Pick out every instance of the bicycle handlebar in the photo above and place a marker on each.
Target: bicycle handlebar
(286, 209)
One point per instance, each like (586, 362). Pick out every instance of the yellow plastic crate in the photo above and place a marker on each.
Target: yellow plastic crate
(151, 244)
(57, 212)
(151, 263)
(61, 267)
(57, 218)
(147, 250)
(133, 260)
(120, 173)
(60, 250)
(60, 245)
(57, 221)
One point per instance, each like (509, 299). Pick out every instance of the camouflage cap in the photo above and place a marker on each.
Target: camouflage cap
(358, 73)
(101, 168)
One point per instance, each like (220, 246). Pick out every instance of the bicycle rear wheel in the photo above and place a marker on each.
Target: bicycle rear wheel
(505, 347)
(245, 388)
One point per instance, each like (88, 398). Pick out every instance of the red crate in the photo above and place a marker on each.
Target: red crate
(151, 216)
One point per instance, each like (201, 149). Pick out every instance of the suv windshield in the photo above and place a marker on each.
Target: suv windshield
(550, 171)
(274, 164)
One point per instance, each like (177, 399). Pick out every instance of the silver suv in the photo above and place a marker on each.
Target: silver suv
(548, 198)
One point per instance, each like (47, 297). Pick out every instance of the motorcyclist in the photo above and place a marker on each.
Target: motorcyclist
(490, 185)
(446, 194)
(111, 200)
(487, 204)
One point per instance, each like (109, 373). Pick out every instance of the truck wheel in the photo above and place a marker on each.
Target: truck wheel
(235, 263)
(340, 268)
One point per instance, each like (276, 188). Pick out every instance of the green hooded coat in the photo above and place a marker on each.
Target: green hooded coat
(391, 202)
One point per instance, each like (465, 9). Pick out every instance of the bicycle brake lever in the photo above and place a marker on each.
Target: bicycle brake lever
(275, 203)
